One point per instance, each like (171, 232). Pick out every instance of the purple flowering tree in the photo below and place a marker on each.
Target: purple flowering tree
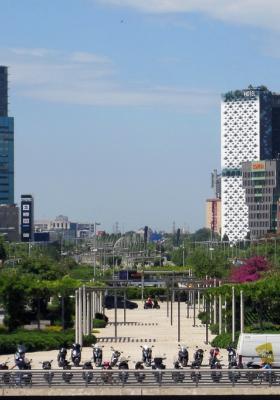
(251, 271)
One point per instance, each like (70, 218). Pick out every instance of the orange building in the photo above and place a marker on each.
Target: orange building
(213, 215)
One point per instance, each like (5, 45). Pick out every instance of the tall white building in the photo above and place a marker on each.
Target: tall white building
(250, 130)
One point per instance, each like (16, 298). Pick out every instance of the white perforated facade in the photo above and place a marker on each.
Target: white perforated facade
(240, 141)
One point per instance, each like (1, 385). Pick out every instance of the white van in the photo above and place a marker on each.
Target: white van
(259, 348)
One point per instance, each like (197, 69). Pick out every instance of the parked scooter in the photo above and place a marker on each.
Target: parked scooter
(23, 378)
(183, 355)
(232, 365)
(216, 375)
(178, 376)
(76, 354)
(139, 376)
(115, 357)
(198, 357)
(87, 376)
(158, 366)
(195, 374)
(214, 353)
(97, 355)
(47, 366)
(6, 377)
(67, 376)
(231, 355)
(107, 376)
(123, 366)
(147, 355)
(20, 353)
(251, 376)
(61, 357)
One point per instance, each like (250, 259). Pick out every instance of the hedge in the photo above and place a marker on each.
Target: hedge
(224, 340)
(99, 323)
(40, 340)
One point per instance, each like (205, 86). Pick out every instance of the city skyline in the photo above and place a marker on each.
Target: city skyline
(117, 105)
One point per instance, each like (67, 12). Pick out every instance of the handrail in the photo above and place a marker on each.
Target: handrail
(204, 377)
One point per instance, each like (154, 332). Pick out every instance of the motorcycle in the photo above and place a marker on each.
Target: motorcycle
(195, 374)
(216, 376)
(61, 357)
(47, 366)
(150, 305)
(67, 376)
(76, 354)
(147, 355)
(251, 376)
(97, 355)
(178, 376)
(123, 366)
(233, 375)
(139, 376)
(198, 357)
(24, 378)
(231, 355)
(158, 366)
(183, 355)
(213, 355)
(115, 357)
(6, 377)
(106, 376)
(87, 376)
(20, 353)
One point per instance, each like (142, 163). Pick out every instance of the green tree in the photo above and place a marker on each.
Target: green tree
(14, 296)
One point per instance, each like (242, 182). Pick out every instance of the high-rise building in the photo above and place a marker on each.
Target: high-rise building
(250, 131)
(9, 222)
(213, 215)
(261, 181)
(6, 143)
(27, 218)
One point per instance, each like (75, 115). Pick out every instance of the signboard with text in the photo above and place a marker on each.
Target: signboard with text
(26, 218)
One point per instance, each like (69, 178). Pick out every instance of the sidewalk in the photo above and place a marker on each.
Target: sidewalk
(150, 327)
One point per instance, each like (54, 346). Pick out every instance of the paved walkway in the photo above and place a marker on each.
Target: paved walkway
(143, 327)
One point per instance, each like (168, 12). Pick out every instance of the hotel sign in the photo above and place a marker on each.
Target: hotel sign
(249, 93)
(258, 166)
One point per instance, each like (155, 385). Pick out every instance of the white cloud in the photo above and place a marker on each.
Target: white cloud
(90, 79)
(261, 13)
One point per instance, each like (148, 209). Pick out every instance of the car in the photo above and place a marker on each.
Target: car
(109, 303)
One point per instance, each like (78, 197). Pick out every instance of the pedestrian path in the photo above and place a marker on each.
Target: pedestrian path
(143, 327)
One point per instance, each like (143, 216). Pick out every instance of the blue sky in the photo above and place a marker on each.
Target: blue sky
(117, 102)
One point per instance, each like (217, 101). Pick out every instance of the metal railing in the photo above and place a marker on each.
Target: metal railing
(143, 378)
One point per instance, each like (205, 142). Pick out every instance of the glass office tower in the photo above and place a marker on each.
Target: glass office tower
(6, 143)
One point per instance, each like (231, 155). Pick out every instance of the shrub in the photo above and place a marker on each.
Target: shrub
(214, 328)
(99, 323)
(202, 317)
(267, 327)
(224, 340)
(39, 340)
(101, 317)
(88, 340)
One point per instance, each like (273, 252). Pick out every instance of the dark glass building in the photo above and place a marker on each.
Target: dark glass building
(6, 143)
(27, 218)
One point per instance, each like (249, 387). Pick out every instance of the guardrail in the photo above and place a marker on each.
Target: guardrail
(143, 378)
